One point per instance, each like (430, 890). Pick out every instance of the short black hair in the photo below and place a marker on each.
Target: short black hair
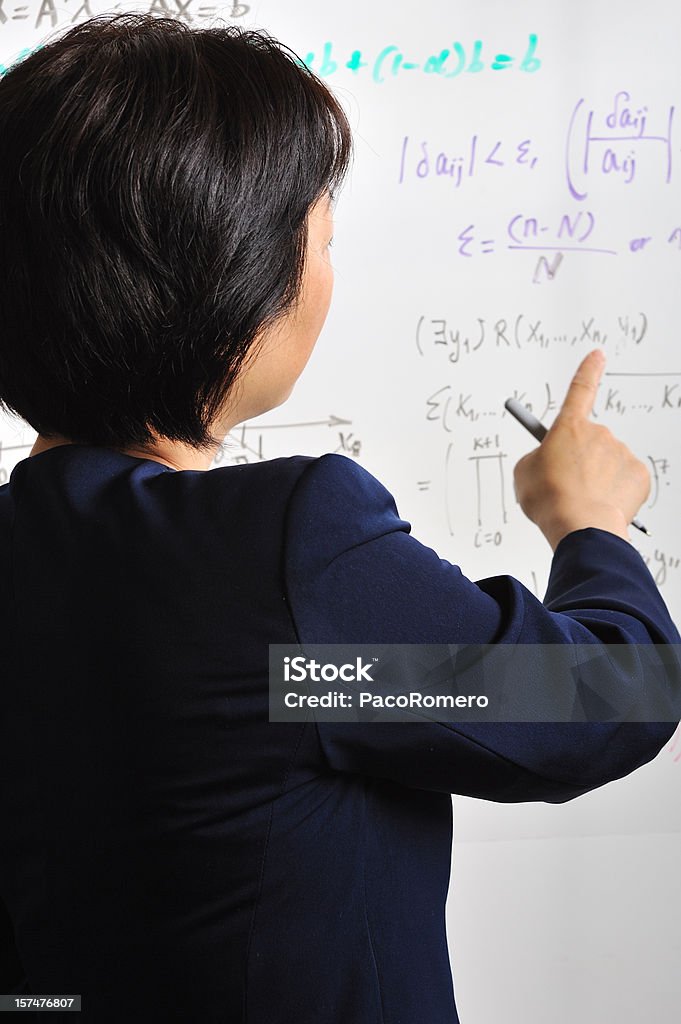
(155, 184)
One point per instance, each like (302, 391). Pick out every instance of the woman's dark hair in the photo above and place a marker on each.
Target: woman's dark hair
(155, 184)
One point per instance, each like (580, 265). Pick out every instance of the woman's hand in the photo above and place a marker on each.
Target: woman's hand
(581, 475)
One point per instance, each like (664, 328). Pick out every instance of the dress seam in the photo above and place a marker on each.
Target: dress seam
(261, 876)
(366, 913)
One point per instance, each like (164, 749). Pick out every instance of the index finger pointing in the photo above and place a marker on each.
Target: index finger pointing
(581, 394)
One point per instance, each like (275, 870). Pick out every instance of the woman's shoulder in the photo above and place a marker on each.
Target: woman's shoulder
(331, 483)
(302, 475)
(340, 504)
(338, 477)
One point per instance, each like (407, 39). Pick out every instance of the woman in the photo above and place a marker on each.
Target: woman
(168, 852)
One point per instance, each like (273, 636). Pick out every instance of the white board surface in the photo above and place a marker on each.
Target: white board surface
(515, 201)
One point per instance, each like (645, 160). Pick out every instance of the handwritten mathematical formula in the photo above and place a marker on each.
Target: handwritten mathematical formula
(379, 66)
(611, 145)
(454, 339)
(615, 147)
(479, 463)
(49, 14)
(477, 460)
(456, 59)
(256, 442)
(566, 232)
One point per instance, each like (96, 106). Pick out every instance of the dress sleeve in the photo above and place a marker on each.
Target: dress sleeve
(355, 575)
(12, 978)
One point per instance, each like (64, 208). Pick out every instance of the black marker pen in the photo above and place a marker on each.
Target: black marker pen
(538, 430)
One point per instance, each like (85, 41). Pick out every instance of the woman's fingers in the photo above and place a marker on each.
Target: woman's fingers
(581, 394)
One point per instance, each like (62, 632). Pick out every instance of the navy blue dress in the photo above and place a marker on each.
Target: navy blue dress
(168, 853)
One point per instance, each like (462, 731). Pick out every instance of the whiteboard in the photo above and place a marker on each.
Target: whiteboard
(514, 202)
